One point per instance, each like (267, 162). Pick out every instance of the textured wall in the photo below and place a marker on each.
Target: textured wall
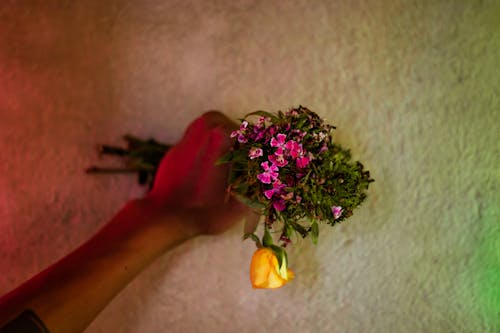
(413, 87)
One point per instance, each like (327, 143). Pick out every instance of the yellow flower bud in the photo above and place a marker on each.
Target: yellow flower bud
(265, 272)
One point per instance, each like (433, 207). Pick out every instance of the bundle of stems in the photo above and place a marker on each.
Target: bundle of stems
(140, 156)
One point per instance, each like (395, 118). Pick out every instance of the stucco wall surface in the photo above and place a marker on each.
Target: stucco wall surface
(412, 86)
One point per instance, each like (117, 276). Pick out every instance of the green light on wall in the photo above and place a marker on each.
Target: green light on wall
(486, 270)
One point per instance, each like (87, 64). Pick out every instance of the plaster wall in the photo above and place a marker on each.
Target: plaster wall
(412, 86)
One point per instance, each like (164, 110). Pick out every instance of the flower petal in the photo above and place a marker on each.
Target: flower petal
(274, 142)
(269, 193)
(336, 211)
(264, 270)
(281, 138)
(279, 205)
(302, 162)
(264, 177)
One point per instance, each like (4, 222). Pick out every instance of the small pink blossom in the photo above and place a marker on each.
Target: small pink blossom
(259, 130)
(294, 148)
(269, 193)
(285, 240)
(241, 132)
(298, 198)
(336, 211)
(258, 133)
(279, 141)
(278, 158)
(271, 130)
(279, 205)
(278, 188)
(270, 173)
(302, 162)
(261, 122)
(255, 152)
(323, 149)
(298, 134)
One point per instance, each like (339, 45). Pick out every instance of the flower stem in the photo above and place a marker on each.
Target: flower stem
(110, 150)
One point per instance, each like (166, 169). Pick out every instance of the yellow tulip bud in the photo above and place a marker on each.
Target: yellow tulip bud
(265, 271)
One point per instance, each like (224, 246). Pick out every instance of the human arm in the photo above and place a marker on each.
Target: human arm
(69, 294)
(188, 199)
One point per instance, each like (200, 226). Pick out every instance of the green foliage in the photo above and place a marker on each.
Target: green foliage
(331, 179)
(267, 239)
(263, 114)
(280, 253)
(314, 232)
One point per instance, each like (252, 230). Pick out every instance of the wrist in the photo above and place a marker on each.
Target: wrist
(172, 220)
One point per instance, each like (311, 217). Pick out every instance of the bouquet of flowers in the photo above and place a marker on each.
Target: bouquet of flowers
(287, 168)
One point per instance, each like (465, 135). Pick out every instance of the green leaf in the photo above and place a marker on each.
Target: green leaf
(263, 114)
(282, 257)
(278, 251)
(301, 123)
(267, 239)
(288, 230)
(253, 237)
(314, 232)
(225, 159)
(300, 229)
(249, 202)
(241, 188)
(240, 155)
(306, 178)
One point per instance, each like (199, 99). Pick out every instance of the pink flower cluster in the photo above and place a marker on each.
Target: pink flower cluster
(284, 153)
(286, 149)
(271, 144)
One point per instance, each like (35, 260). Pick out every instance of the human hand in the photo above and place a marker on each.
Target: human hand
(190, 185)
